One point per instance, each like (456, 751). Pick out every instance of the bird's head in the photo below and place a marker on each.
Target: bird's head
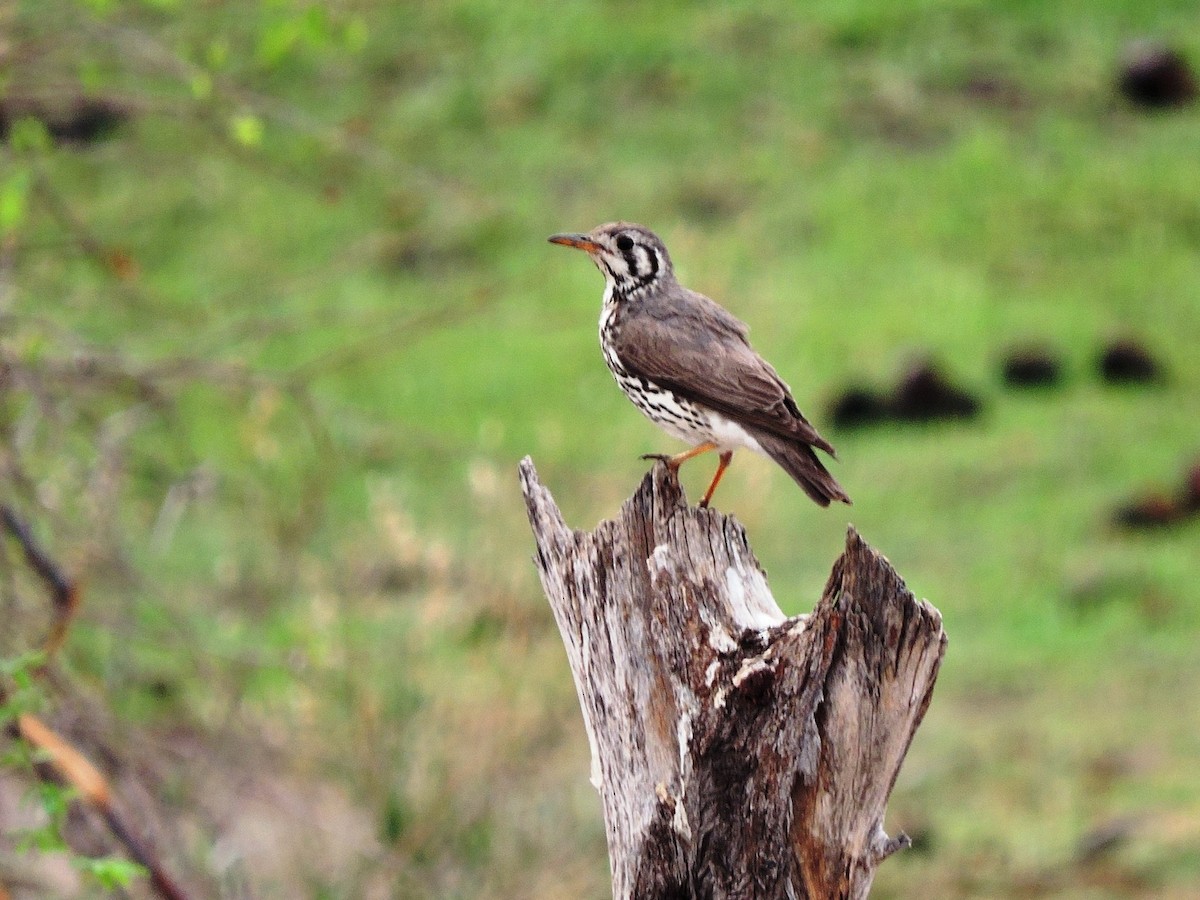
(631, 257)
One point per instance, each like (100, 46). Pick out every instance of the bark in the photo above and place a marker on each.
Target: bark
(738, 753)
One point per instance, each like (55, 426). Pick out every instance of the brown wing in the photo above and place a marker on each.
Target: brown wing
(699, 350)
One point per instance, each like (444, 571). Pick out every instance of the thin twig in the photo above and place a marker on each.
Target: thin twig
(64, 591)
(73, 767)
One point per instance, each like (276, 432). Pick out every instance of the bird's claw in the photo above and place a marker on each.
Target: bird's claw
(661, 457)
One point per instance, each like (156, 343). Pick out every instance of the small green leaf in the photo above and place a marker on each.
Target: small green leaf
(217, 53)
(112, 872)
(246, 129)
(14, 200)
(314, 26)
(201, 85)
(20, 666)
(355, 34)
(29, 135)
(44, 840)
(277, 41)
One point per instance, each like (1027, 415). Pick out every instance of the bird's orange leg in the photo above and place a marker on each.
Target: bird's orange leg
(674, 462)
(725, 458)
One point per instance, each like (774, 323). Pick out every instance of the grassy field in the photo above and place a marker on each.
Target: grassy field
(294, 323)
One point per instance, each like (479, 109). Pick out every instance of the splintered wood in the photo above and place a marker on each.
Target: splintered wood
(738, 753)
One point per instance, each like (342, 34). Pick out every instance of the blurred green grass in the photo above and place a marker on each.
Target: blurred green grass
(861, 183)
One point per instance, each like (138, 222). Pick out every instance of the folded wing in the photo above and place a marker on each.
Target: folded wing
(699, 350)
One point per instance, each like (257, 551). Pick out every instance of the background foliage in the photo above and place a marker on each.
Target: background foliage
(273, 337)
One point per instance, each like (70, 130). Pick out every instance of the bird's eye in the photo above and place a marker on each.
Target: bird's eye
(624, 243)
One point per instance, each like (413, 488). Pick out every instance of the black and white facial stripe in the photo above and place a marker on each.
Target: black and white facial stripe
(632, 258)
(641, 262)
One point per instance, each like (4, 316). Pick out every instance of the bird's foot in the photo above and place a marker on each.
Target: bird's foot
(663, 457)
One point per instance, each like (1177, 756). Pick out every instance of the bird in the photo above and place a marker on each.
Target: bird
(687, 364)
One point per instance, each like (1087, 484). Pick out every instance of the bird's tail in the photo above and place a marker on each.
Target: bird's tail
(798, 460)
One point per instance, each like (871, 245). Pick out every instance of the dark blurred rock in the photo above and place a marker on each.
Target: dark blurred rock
(1156, 76)
(1031, 367)
(1149, 511)
(1128, 362)
(925, 394)
(1154, 510)
(71, 119)
(857, 407)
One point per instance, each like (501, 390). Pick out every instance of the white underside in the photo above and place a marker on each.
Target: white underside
(726, 434)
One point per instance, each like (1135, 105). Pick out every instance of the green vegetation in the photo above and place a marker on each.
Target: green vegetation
(269, 354)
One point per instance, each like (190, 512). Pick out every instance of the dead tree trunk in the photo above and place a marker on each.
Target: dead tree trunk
(738, 753)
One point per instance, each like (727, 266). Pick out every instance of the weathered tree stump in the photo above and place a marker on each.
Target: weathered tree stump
(738, 753)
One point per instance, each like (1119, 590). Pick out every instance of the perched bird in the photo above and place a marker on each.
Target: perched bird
(685, 362)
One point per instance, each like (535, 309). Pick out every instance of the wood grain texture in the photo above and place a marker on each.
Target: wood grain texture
(738, 753)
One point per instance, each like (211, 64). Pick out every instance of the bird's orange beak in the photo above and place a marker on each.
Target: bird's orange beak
(578, 241)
